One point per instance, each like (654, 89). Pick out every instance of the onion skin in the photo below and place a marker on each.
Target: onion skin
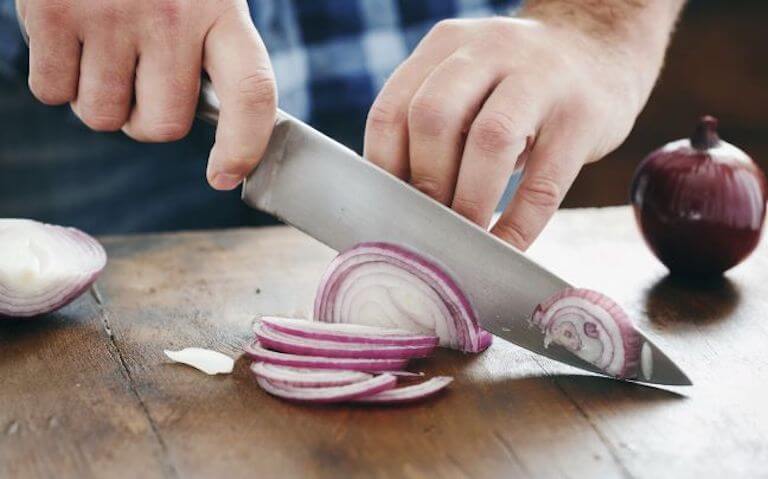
(390, 264)
(64, 242)
(332, 394)
(286, 343)
(580, 319)
(700, 203)
(258, 353)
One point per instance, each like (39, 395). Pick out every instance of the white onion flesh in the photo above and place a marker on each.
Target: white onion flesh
(343, 332)
(409, 393)
(44, 267)
(331, 394)
(306, 377)
(594, 328)
(259, 353)
(385, 285)
(293, 344)
(205, 360)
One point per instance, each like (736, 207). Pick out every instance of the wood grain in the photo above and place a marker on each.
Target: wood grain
(88, 392)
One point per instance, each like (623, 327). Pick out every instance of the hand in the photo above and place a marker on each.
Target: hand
(478, 98)
(135, 65)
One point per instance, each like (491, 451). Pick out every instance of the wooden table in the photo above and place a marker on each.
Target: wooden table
(87, 392)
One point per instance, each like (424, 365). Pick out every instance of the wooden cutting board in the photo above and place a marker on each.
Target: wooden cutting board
(87, 392)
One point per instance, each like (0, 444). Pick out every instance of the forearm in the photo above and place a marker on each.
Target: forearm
(635, 30)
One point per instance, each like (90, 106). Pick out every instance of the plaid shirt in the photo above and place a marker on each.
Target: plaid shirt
(330, 58)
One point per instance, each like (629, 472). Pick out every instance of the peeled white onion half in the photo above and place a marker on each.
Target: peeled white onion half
(44, 267)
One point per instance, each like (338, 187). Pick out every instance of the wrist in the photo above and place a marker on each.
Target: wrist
(629, 39)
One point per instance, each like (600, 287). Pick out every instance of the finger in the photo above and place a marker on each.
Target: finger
(559, 154)
(105, 90)
(54, 53)
(386, 130)
(167, 82)
(497, 138)
(439, 117)
(242, 77)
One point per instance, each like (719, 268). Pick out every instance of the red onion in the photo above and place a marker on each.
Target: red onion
(288, 343)
(351, 333)
(331, 394)
(44, 267)
(259, 353)
(303, 377)
(700, 203)
(594, 328)
(385, 285)
(408, 393)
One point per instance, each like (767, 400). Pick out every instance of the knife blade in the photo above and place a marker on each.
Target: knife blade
(298, 181)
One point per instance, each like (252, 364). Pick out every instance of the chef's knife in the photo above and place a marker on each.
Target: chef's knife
(298, 181)
(326, 190)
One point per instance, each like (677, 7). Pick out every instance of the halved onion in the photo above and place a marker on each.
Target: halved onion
(306, 377)
(351, 333)
(288, 343)
(386, 285)
(408, 393)
(331, 394)
(44, 267)
(259, 353)
(593, 327)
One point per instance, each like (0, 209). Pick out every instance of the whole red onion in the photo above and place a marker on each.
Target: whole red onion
(700, 203)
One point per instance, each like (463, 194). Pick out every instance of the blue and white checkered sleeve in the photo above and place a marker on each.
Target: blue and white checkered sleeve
(12, 48)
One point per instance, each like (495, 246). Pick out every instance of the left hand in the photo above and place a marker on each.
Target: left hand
(478, 98)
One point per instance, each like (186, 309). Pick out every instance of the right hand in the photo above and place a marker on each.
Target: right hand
(135, 65)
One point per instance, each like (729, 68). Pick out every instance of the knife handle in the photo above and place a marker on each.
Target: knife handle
(208, 104)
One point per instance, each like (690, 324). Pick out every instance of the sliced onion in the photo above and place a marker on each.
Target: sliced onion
(287, 343)
(44, 267)
(593, 327)
(409, 393)
(347, 392)
(259, 353)
(385, 285)
(305, 377)
(352, 333)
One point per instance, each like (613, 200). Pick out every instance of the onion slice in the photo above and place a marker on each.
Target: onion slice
(352, 333)
(347, 392)
(305, 377)
(409, 393)
(259, 353)
(287, 343)
(593, 327)
(386, 285)
(44, 267)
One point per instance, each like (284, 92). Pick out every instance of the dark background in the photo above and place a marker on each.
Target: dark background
(717, 64)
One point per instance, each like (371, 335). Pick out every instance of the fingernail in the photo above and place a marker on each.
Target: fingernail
(225, 181)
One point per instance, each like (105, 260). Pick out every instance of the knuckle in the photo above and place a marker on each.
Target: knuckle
(384, 116)
(429, 186)
(446, 27)
(169, 12)
(515, 234)
(493, 133)
(53, 12)
(427, 116)
(258, 92)
(97, 121)
(469, 207)
(50, 93)
(541, 192)
(162, 131)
